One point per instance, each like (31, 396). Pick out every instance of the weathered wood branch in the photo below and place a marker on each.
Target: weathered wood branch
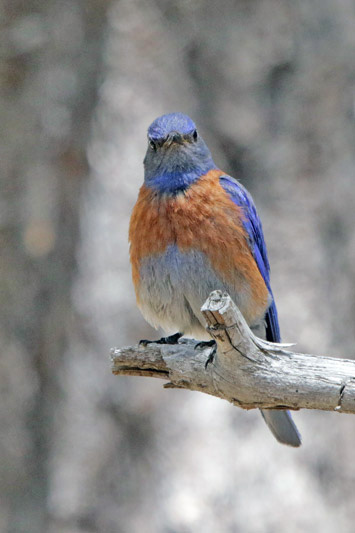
(246, 371)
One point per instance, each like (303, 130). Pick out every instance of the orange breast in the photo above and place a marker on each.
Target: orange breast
(204, 218)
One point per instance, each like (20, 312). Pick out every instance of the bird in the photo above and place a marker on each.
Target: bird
(195, 229)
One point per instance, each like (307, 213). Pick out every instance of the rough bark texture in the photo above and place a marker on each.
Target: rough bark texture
(247, 371)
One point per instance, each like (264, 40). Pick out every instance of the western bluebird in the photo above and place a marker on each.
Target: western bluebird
(194, 229)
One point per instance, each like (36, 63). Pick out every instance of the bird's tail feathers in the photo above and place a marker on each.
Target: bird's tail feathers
(282, 426)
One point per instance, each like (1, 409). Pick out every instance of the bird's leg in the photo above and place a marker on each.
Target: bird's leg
(172, 339)
(208, 344)
(205, 344)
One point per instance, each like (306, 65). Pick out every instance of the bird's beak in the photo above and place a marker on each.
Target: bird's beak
(174, 137)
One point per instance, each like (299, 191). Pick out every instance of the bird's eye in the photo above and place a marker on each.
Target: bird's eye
(194, 135)
(153, 145)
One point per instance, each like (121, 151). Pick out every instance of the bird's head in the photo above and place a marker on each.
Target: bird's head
(176, 154)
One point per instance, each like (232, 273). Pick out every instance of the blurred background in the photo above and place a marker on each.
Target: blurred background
(271, 85)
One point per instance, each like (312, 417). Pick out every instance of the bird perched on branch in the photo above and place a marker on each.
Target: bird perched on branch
(194, 229)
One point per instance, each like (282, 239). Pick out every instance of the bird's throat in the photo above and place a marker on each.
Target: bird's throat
(176, 181)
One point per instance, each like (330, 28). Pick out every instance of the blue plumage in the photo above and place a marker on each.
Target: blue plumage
(162, 126)
(177, 156)
(253, 227)
(173, 182)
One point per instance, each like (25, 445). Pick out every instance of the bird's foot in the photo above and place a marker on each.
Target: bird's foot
(172, 339)
(208, 344)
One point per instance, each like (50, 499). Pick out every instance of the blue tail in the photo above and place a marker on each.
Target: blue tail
(282, 426)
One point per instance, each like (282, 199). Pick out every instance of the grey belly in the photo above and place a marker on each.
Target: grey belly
(174, 286)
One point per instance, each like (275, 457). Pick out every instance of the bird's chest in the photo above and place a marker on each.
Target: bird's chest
(197, 220)
(174, 274)
(173, 286)
(186, 246)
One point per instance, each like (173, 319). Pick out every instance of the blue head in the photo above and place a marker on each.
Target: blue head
(176, 156)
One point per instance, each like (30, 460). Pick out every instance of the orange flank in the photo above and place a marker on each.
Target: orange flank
(203, 218)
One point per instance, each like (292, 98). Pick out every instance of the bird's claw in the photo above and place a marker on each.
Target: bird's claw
(208, 344)
(211, 355)
(205, 344)
(144, 342)
(172, 339)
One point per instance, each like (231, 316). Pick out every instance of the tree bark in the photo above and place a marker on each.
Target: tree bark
(247, 371)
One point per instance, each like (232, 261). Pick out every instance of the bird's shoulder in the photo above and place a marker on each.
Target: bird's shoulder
(251, 220)
(254, 230)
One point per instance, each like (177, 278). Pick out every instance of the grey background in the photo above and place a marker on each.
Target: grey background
(270, 84)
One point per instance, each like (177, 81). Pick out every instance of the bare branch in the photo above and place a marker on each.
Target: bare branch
(246, 371)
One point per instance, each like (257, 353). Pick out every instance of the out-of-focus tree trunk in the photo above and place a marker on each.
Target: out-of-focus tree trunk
(48, 90)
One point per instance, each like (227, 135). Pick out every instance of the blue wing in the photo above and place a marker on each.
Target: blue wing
(253, 227)
(279, 422)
